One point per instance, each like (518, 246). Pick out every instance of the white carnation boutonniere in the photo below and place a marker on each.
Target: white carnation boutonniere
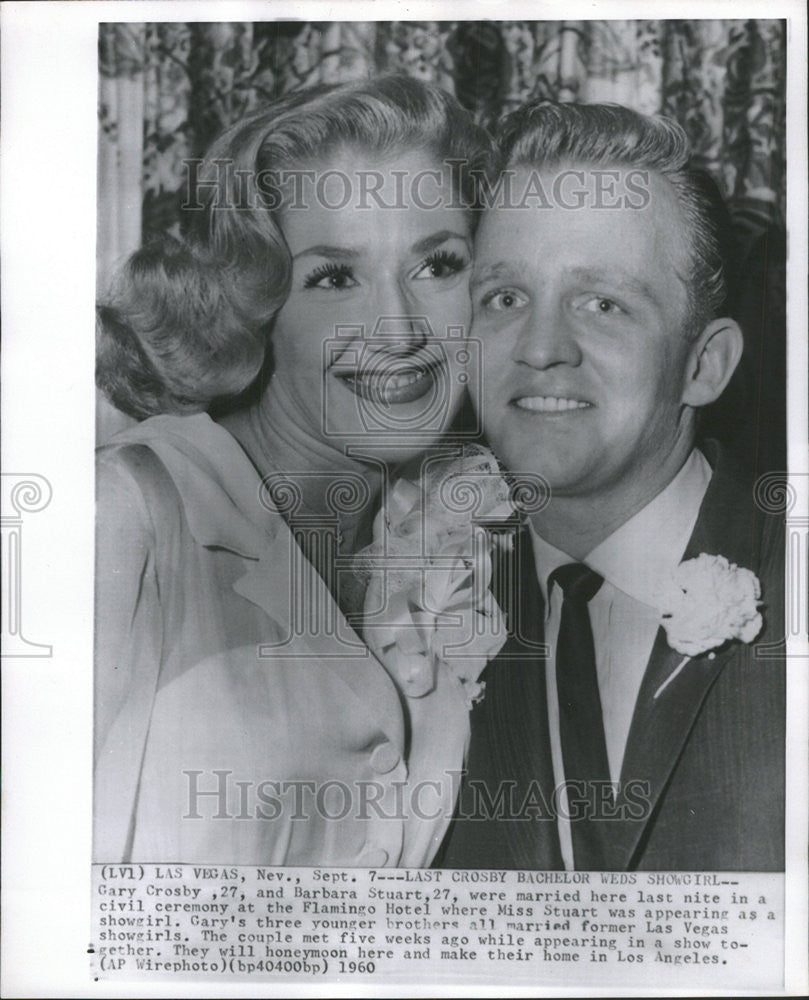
(706, 602)
(428, 606)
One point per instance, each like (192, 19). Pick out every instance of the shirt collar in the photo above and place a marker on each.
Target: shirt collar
(547, 558)
(635, 556)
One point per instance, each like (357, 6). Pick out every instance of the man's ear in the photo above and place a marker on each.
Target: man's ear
(711, 362)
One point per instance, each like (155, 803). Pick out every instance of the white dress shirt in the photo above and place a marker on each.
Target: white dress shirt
(631, 561)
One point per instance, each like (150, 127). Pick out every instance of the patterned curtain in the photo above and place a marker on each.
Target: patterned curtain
(166, 91)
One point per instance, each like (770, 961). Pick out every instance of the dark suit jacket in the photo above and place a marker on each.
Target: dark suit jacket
(702, 783)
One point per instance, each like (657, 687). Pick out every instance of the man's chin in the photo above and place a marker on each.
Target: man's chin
(559, 467)
(556, 479)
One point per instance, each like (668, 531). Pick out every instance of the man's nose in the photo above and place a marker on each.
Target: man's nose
(546, 339)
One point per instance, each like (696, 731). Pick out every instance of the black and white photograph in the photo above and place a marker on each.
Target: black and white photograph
(441, 528)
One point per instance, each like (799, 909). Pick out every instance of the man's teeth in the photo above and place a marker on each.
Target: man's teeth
(550, 404)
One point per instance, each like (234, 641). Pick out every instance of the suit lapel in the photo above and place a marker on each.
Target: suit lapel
(660, 729)
(661, 725)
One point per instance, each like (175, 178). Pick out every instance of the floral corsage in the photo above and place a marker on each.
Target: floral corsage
(706, 602)
(428, 606)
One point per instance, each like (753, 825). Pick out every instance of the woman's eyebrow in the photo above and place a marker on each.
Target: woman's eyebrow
(421, 246)
(436, 239)
(327, 250)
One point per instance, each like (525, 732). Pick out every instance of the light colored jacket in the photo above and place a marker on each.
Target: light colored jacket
(231, 726)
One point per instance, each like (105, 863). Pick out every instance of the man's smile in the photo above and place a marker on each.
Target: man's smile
(550, 404)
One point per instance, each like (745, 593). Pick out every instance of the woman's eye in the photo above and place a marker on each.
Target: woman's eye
(441, 264)
(332, 277)
(503, 300)
(601, 305)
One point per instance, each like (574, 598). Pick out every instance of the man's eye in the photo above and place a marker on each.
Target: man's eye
(601, 305)
(333, 277)
(441, 264)
(503, 300)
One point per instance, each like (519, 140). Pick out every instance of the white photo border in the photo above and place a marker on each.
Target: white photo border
(49, 146)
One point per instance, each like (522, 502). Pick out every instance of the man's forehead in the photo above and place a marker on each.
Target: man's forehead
(654, 230)
(492, 269)
(573, 187)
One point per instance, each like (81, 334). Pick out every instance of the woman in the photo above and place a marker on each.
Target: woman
(240, 719)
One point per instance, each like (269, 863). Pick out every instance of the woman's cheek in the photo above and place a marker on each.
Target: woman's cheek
(451, 310)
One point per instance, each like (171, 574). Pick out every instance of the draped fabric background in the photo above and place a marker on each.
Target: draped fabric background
(166, 91)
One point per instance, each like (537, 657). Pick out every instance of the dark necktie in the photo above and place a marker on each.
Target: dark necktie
(584, 749)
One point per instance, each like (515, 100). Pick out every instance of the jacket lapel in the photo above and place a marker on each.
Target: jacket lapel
(661, 725)
(226, 508)
(660, 729)
(317, 632)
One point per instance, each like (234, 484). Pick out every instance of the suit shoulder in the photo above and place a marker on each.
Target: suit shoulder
(735, 520)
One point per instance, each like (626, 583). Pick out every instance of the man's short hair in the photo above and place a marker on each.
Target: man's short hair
(545, 135)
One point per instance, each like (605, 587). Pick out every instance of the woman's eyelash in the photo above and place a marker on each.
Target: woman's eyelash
(448, 258)
(327, 271)
(439, 260)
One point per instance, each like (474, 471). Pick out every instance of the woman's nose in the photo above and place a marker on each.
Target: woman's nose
(400, 334)
(546, 339)
(399, 327)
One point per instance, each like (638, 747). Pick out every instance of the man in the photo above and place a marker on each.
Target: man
(598, 297)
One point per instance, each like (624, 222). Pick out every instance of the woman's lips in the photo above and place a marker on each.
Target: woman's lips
(404, 385)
